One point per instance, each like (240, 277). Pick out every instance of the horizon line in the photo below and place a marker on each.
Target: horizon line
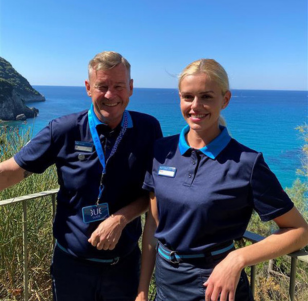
(249, 89)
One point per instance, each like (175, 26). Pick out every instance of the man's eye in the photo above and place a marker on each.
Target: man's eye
(101, 88)
(187, 97)
(119, 88)
(206, 96)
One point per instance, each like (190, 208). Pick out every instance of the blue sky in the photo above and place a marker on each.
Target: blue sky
(262, 44)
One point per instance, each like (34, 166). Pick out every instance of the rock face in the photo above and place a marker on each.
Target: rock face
(11, 105)
(15, 90)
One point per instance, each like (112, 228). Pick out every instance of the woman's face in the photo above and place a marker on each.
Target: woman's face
(201, 103)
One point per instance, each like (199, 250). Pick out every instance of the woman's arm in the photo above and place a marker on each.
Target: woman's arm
(292, 235)
(148, 250)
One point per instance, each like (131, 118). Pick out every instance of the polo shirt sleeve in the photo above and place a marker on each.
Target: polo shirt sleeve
(38, 154)
(269, 198)
(148, 183)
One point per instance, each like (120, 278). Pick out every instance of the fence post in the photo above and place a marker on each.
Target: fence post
(53, 199)
(292, 277)
(25, 249)
(270, 266)
(253, 279)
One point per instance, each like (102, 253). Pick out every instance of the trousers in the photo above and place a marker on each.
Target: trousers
(75, 279)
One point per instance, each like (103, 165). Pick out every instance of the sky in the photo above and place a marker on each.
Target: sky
(262, 44)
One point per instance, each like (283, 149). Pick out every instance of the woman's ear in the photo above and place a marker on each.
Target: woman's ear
(227, 98)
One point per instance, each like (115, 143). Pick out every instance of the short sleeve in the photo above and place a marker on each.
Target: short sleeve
(270, 200)
(148, 183)
(38, 154)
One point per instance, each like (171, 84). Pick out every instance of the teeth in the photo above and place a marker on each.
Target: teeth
(197, 116)
(110, 104)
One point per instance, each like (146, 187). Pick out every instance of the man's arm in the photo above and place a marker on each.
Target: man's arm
(108, 233)
(11, 173)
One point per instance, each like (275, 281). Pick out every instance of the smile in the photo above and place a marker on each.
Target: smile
(197, 116)
(111, 104)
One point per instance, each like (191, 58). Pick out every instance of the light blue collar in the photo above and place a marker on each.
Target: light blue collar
(97, 121)
(213, 149)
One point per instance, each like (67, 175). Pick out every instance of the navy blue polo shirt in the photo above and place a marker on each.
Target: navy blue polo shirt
(79, 172)
(206, 197)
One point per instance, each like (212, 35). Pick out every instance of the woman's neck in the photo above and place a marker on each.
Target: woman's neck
(197, 140)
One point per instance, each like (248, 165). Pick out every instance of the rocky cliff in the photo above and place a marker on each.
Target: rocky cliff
(15, 91)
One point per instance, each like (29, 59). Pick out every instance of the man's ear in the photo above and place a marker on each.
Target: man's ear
(88, 87)
(131, 87)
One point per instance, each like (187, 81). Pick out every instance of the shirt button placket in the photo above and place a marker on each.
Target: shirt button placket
(192, 167)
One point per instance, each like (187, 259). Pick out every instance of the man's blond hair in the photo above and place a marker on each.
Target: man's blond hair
(107, 60)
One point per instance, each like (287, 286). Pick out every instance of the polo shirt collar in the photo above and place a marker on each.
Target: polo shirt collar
(213, 149)
(97, 121)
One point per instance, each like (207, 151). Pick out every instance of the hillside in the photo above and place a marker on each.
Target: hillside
(15, 91)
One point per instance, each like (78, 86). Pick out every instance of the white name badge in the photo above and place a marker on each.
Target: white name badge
(167, 171)
(84, 146)
(95, 213)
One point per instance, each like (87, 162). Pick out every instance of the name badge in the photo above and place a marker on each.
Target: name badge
(167, 171)
(84, 146)
(95, 213)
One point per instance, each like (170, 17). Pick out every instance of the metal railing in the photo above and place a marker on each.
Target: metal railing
(253, 237)
(24, 199)
(295, 256)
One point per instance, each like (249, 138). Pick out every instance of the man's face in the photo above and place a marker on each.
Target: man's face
(110, 91)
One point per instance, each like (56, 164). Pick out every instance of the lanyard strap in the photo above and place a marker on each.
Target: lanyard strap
(98, 145)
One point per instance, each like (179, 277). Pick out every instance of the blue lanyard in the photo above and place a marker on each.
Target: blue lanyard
(98, 145)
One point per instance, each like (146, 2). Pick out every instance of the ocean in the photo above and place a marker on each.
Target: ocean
(262, 120)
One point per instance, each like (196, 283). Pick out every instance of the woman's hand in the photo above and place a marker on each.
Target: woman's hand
(224, 279)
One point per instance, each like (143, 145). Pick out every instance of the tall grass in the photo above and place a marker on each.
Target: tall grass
(270, 287)
(39, 213)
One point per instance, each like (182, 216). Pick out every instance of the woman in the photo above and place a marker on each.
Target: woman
(204, 186)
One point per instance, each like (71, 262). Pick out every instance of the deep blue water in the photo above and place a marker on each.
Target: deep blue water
(262, 120)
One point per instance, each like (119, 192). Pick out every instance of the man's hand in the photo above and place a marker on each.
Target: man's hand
(108, 233)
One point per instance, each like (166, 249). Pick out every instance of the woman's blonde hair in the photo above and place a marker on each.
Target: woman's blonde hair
(211, 68)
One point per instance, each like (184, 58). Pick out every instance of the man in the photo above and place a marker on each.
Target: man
(101, 157)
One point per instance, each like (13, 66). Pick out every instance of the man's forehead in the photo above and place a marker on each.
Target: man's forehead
(108, 81)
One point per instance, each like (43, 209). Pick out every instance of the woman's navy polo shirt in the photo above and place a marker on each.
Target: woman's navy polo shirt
(206, 197)
(79, 172)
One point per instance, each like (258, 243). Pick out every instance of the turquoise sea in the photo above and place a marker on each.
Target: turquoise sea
(262, 120)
